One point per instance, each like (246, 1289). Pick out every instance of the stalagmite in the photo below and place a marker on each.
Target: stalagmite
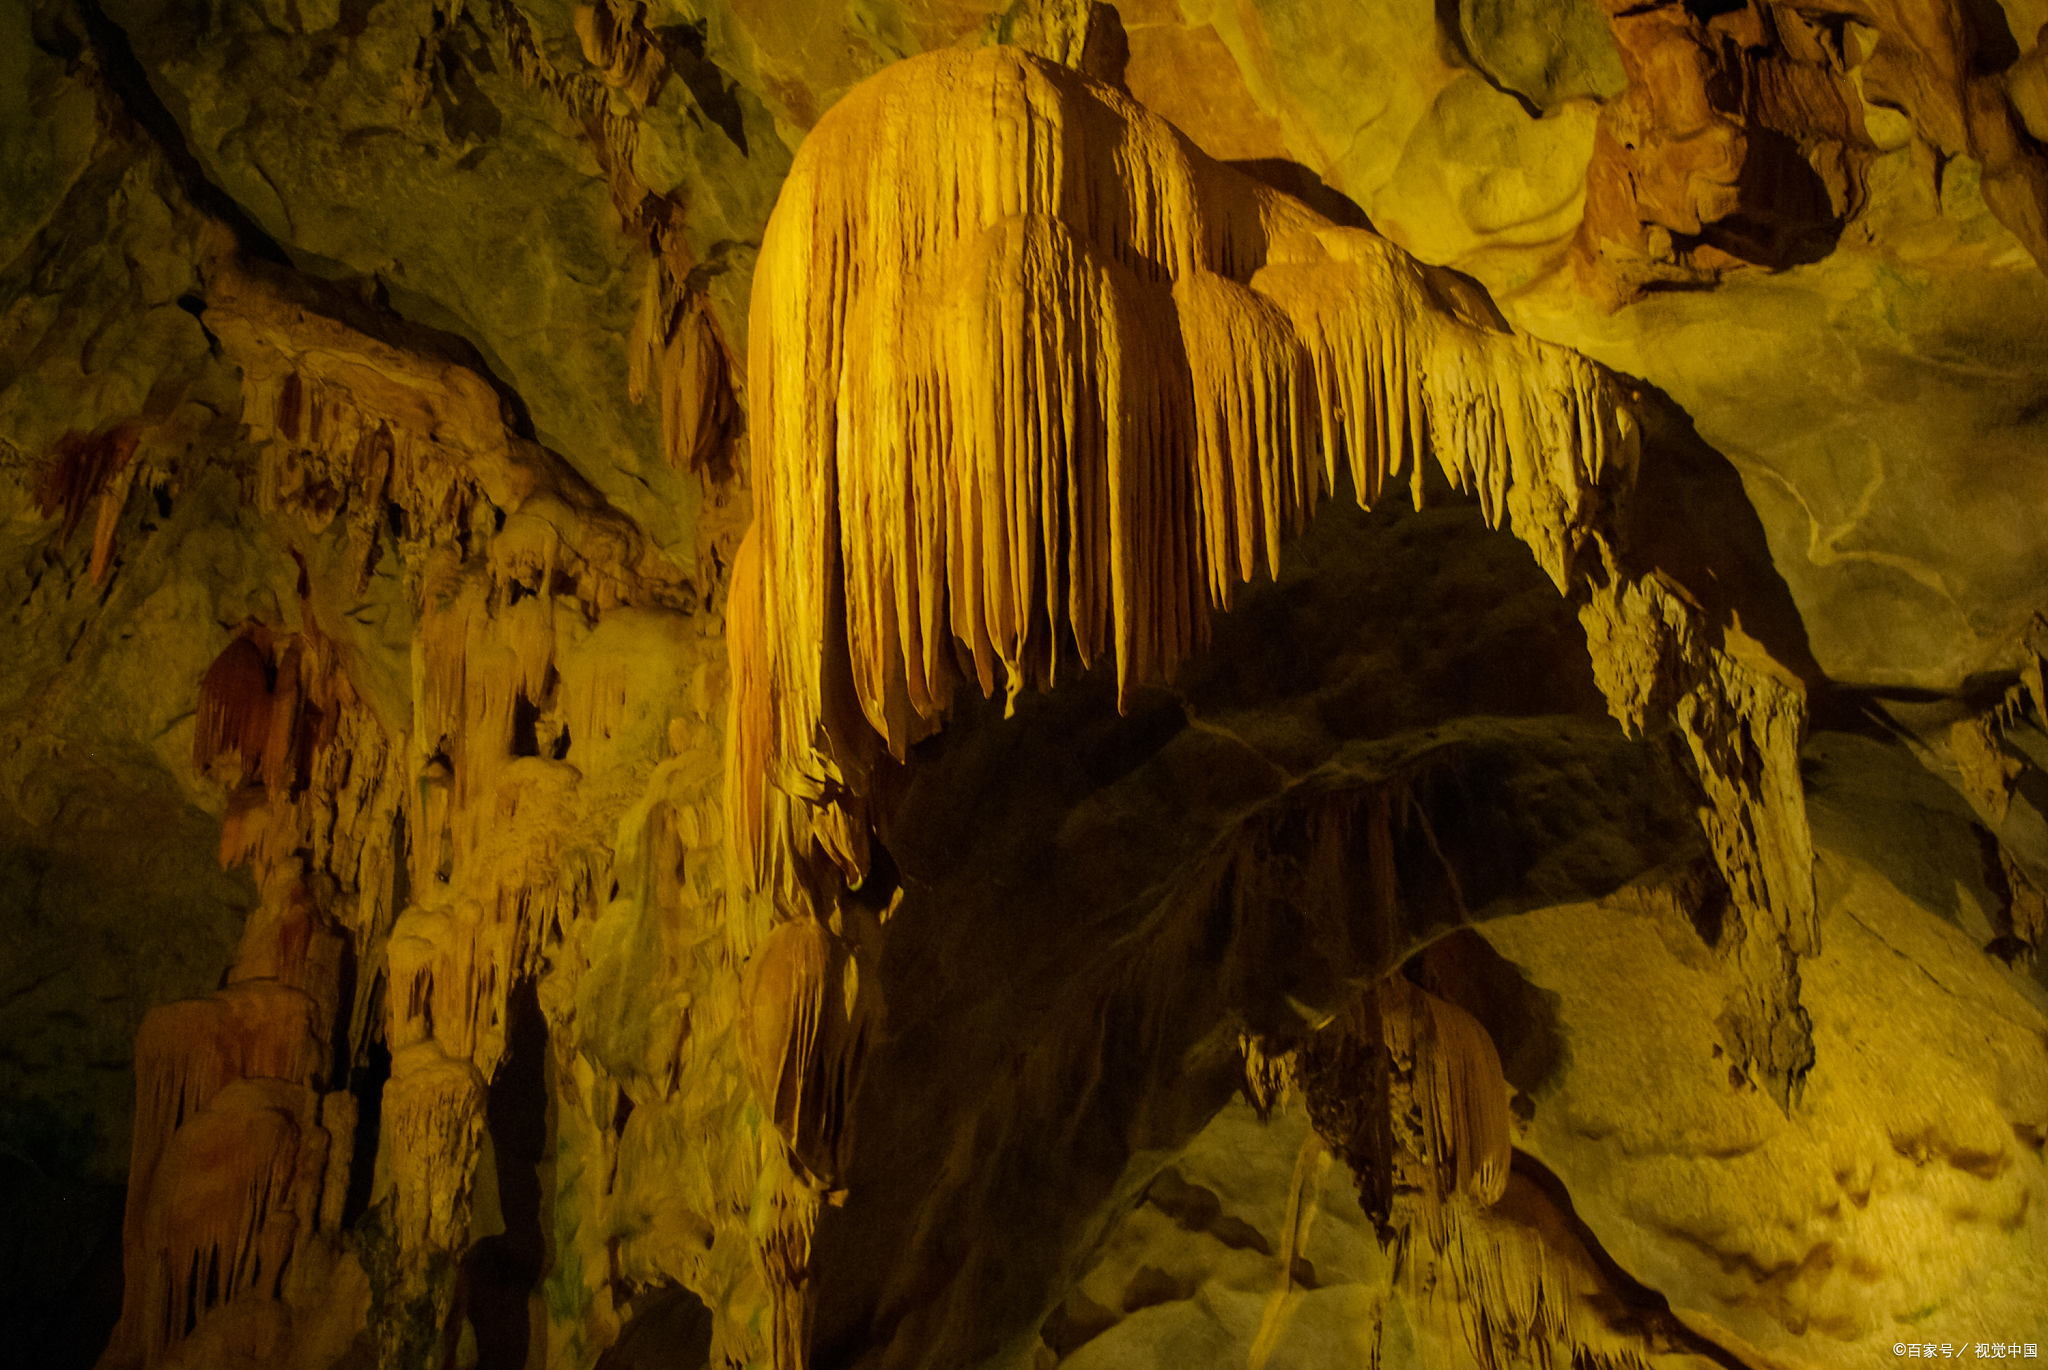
(1407, 1087)
(1311, 1164)
(1507, 1293)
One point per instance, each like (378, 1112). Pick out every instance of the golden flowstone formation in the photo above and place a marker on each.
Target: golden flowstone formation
(1033, 385)
(1033, 376)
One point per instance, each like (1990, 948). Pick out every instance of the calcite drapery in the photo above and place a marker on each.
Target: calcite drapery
(1409, 1090)
(84, 468)
(1034, 382)
(230, 1190)
(1046, 381)
(802, 1029)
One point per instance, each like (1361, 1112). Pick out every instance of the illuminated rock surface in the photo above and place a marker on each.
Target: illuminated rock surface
(893, 685)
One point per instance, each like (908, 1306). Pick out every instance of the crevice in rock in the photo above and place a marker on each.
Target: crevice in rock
(129, 83)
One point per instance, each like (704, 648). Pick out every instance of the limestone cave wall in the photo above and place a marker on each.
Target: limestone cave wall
(1194, 683)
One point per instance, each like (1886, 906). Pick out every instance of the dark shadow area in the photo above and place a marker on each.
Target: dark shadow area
(525, 730)
(466, 111)
(1853, 709)
(499, 1272)
(342, 1056)
(668, 1328)
(716, 94)
(1785, 216)
(1095, 905)
(1450, 37)
(1387, 621)
(1292, 178)
(130, 84)
(367, 1083)
(1992, 45)
(60, 1263)
(1521, 1019)
(1690, 518)
(1869, 798)
(1106, 53)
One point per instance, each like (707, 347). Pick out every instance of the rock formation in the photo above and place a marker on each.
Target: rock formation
(961, 685)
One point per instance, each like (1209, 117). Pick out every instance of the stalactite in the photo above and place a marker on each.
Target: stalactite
(280, 752)
(2026, 910)
(244, 827)
(622, 50)
(1743, 719)
(348, 420)
(338, 1114)
(1072, 394)
(530, 637)
(1458, 1082)
(1407, 1087)
(2033, 652)
(803, 1038)
(1269, 1080)
(83, 468)
(1033, 385)
(226, 1089)
(750, 724)
(359, 440)
(696, 396)
(235, 709)
(582, 94)
(1988, 772)
(1255, 399)
(223, 1225)
(674, 349)
(1506, 1294)
(435, 1103)
(107, 523)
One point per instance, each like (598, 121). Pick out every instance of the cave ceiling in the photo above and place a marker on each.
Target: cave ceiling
(927, 684)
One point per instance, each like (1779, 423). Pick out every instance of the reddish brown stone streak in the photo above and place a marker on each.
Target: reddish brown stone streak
(257, 718)
(79, 470)
(1740, 139)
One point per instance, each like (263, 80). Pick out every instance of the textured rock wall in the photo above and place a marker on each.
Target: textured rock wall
(488, 914)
